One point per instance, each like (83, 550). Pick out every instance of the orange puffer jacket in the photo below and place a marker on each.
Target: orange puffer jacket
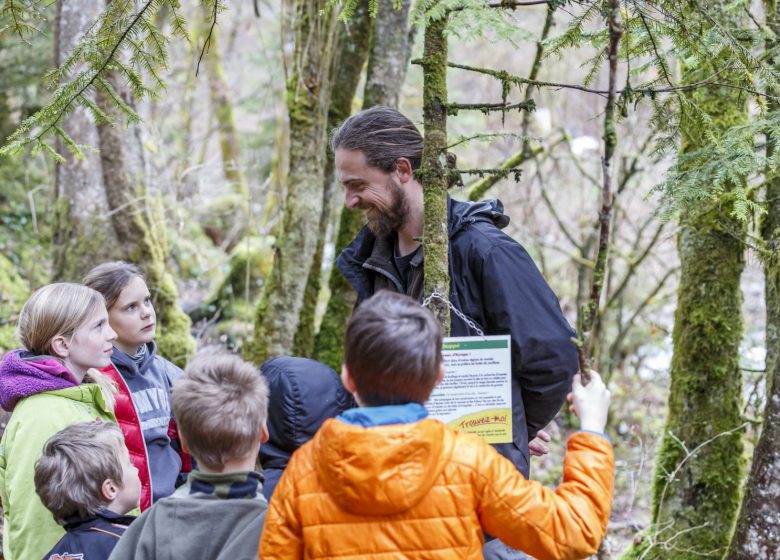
(422, 490)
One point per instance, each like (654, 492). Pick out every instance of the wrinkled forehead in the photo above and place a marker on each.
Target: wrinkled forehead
(352, 166)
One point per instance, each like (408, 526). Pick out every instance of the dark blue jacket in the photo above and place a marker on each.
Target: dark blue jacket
(90, 538)
(303, 393)
(497, 285)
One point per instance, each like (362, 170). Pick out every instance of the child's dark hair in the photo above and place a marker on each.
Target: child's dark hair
(392, 350)
(76, 461)
(111, 278)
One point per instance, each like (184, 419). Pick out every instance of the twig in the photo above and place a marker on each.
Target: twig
(590, 310)
(208, 37)
(453, 108)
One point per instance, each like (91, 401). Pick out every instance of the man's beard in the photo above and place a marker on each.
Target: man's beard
(383, 223)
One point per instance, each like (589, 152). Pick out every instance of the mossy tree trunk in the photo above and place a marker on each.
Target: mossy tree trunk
(350, 56)
(222, 106)
(758, 528)
(388, 59)
(308, 96)
(432, 173)
(83, 236)
(104, 209)
(699, 463)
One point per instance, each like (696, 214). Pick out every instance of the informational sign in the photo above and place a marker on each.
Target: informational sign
(476, 394)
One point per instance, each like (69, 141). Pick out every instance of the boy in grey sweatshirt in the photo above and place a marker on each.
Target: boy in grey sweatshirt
(221, 406)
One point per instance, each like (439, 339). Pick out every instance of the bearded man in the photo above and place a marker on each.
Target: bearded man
(494, 282)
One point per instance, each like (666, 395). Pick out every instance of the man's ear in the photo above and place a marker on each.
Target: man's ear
(404, 169)
(346, 379)
(264, 435)
(440, 374)
(60, 346)
(109, 490)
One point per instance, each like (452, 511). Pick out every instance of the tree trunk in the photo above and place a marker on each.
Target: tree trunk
(387, 63)
(699, 463)
(308, 97)
(757, 534)
(432, 174)
(83, 236)
(346, 68)
(104, 210)
(236, 223)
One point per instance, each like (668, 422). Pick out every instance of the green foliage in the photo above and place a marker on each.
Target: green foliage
(705, 174)
(658, 38)
(126, 39)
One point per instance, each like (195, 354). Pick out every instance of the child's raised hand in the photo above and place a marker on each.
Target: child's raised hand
(590, 402)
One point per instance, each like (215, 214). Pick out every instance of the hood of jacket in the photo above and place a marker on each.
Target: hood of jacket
(129, 366)
(303, 393)
(461, 214)
(382, 470)
(23, 374)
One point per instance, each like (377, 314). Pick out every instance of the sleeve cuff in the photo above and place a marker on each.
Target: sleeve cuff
(602, 434)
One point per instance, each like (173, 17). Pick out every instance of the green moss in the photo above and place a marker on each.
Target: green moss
(250, 263)
(13, 293)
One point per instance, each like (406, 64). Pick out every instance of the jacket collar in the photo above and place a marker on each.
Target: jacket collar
(225, 486)
(78, 520)
(129, 365)
(370, 416)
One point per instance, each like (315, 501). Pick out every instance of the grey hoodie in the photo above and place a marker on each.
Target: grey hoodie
(213, 516)
(149, 383)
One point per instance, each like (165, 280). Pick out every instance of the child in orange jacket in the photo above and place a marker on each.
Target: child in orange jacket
(384, 481)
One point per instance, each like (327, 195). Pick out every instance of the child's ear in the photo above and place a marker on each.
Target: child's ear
(346, 379)
(183, 443)
(109, 490)
(60, 346)
(440, 374)
(264, 434)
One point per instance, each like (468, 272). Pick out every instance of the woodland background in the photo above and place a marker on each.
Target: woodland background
(191, 138)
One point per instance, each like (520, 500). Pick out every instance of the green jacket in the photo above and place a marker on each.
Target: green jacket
(29, 530)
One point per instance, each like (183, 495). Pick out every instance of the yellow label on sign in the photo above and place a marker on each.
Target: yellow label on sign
(494, 426)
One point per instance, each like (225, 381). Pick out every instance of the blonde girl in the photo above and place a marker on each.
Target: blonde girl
(48, 385)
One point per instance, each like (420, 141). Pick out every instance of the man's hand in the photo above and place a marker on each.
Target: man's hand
(590, 402)
(537, 446)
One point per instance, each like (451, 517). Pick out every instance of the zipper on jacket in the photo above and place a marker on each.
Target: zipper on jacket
(143, 439)
(385, 273)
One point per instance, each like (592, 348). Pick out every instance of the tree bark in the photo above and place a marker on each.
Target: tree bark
(83, 236)
(699, 462)
(757, 534)
(308, 96)
(104, 210)
(346, 67)
(432, 174)
(388, 60)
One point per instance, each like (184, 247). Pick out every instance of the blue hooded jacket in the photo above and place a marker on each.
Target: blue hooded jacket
(303, 393)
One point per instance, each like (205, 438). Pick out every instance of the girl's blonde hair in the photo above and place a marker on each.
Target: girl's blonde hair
(58, 310)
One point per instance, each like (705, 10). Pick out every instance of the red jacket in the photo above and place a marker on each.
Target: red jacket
(127, 418)
(422, 490)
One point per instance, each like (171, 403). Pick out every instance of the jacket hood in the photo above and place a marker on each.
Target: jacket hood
(382, 470)
(23, 374)
(130, 367)
(462, 214)
(303, 394)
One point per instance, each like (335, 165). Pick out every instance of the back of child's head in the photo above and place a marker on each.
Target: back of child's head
(75, 463)
(220, 406)
(56, 310)
(111, 278)
(392, 350)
